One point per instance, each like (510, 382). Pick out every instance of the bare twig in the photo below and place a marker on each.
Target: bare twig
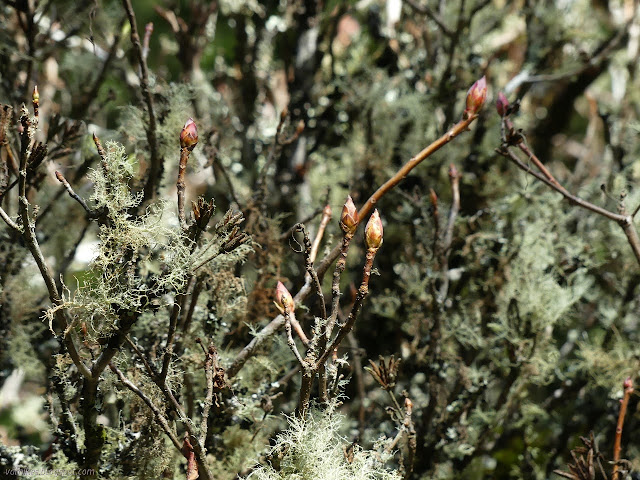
(628, 390)
(324, 221)
(155, 163)
(156, 411)
(625, 221)
(74, 195)
(309, 266)
(326, 262)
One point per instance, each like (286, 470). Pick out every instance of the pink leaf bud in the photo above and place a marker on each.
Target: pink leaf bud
(284, 298)
(628, 383)
(502, 104)
(349, 216)
(373, 231)
(189, 135)
(476, 97)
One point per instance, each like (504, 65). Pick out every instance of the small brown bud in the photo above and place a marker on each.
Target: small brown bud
(327, 211)
(408, 405)
(300, 127)
(373, 231)
(476, 97)
(189, 135)
(349, 216)
(284, 298)
(502, 104)
(453, 171)
(433, 198)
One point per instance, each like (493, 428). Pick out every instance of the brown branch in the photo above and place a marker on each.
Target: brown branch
(456, 130)
(155, 163)
(308, 263)
(326, 262)
(210, 365)
(184, 157)
(628, 390)
(363, 291)
(29, 234)
(625, 221)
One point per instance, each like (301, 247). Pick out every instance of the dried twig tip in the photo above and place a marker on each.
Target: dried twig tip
(189, 135)
(284, 298)
(476, 97)
(373, 231)
(349, 216)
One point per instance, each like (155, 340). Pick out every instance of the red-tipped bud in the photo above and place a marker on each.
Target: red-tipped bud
(502, 104)
(628, 384)
(476, 97)
(189, 135)
(433, 197)
(373, 231)
(284, 298)
(349, 216)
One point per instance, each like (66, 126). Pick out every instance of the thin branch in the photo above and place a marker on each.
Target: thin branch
(7, 219)
(324, 221)
(628, 390)
(156, 411)
(625, 221)
(432, 15)
(309, 266)
(290, 341)
(210, 365)
(326, 262)
(155, 163)
(74, 195)
(28, 232)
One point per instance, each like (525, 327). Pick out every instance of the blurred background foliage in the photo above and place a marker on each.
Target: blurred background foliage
(514, 342)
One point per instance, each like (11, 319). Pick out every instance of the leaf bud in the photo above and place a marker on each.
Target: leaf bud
(476, 97)
(373, 231)
(349, 216)
(284, 298)
(189, 135)
(628, 383)
(502, 104)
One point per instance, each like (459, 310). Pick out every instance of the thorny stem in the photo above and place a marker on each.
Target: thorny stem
(628, 390)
